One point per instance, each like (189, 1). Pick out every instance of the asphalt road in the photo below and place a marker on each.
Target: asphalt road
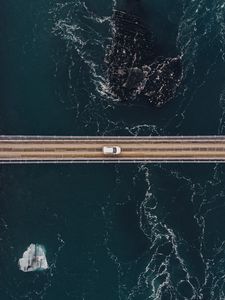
(21, 149)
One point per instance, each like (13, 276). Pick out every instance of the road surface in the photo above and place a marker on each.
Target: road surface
(35, 149)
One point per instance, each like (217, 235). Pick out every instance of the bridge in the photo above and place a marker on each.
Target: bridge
(71, 149)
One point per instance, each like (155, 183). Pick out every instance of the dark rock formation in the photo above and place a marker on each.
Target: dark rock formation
(134, 64)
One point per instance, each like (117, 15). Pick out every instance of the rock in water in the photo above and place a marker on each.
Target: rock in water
(135, 67)
(34, 259)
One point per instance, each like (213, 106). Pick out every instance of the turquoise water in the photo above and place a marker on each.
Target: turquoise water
(123, 232)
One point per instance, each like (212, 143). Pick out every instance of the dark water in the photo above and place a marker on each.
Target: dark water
(129, 232)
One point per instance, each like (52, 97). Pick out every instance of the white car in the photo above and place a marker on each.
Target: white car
(111, 150)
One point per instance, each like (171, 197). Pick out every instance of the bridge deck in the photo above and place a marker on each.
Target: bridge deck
(22, 149)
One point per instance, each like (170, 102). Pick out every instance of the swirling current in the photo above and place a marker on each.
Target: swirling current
(124, 232)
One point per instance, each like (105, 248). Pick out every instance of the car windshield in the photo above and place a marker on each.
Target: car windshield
(114, 149)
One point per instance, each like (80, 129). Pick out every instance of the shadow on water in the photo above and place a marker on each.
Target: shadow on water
(143, 61)
(161, 17)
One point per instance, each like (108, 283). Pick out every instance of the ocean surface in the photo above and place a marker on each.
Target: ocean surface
(111, 232)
